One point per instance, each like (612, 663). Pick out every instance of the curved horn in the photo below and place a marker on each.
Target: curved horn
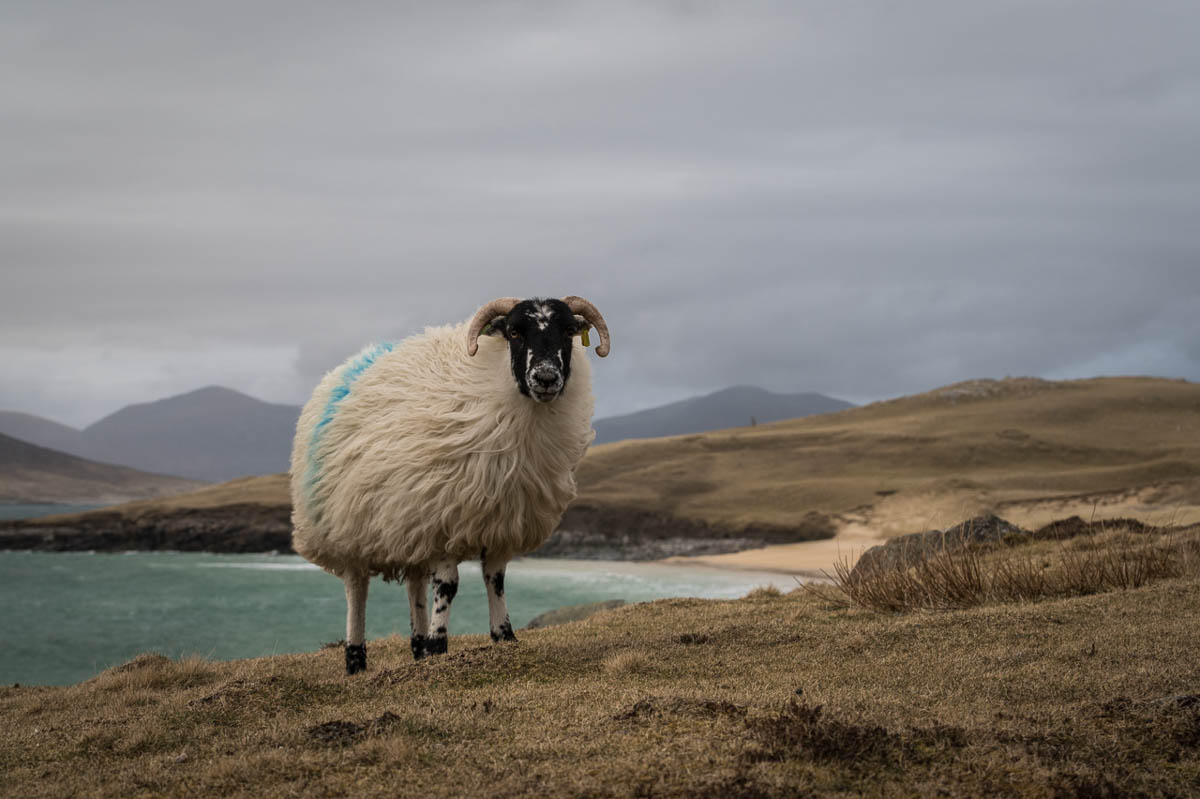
(497, 307)
(582, 307)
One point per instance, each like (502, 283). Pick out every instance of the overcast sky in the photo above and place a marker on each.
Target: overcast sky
(864, 199)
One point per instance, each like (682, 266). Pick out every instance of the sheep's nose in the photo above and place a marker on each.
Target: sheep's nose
(545, 376)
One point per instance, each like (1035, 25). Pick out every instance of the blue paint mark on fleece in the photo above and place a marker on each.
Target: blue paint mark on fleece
(350, 373)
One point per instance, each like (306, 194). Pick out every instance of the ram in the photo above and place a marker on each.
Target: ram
(455, 444)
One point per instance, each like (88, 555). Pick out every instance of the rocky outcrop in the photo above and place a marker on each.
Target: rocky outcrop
(989, 529)
(614, 533)
(228, 528)
(907, 550)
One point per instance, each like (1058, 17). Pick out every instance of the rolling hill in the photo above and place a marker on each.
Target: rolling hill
(926, 460)
(42, 432)
(731, 407)
(29, 473)
(1031, 450)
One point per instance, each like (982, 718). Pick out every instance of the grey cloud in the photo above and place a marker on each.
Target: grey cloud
(864, 200)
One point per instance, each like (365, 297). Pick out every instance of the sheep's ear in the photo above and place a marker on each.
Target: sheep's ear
(581, 324)
(496, 327)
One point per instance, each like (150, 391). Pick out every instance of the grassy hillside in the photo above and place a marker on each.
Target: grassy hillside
(268, 490)
(939, 456)
(1030, 450)
(30, 473)
(771, 695)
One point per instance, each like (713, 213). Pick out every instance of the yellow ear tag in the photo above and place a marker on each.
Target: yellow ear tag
(583, 337)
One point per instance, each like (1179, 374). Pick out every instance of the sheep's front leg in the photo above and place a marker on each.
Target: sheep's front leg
(445, 586)
(493, 578)
(418, 606)
(356, 621)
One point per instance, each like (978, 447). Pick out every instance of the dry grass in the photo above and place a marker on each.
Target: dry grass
(962, 576)
(774, 695)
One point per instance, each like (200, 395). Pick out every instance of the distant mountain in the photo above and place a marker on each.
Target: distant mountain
(29, 473)
(731, 407)
(216, 434)
(42, 432)
(212, 433)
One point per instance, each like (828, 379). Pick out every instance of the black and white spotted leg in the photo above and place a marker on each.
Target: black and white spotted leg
(445, 586)
(493, 578)
(356, 620)
(418, 606)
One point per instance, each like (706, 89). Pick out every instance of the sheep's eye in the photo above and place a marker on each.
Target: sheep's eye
(514, 335)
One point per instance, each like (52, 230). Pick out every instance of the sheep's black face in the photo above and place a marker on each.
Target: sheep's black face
(539, 334)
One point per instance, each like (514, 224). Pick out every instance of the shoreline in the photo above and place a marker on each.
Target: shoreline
(585, 533)
(764, 565)
(707, 562)
(785, 579)
(808, 551)
(717, 563)
(811, 559)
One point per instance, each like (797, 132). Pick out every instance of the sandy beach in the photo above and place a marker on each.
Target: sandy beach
(1161, 504)
(807, 559)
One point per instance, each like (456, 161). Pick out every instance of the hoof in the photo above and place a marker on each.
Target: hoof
(436, 645)
(420, 646)
(356, 658)
(505, 633)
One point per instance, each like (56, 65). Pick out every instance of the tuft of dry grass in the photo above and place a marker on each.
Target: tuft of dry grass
(764, 592)
(628, 662)
(155, 671)
(962, 576)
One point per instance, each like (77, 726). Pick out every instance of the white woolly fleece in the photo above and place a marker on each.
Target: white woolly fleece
(433, 454)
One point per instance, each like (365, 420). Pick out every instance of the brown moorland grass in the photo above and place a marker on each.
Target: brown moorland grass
(770, 695)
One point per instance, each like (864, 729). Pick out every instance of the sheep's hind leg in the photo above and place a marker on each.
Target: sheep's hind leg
(418, 605)
(493, 578)
(356, 620)
(445, 586)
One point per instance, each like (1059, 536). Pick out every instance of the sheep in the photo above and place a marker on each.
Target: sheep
(410, 458)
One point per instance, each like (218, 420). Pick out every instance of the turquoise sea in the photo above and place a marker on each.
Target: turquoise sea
(9, 510)
(67, 616)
